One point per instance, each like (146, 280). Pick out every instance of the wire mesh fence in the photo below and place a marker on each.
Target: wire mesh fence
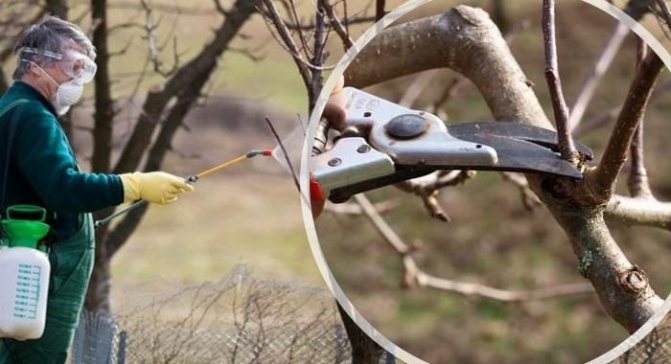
(240, 319)
(245, 319)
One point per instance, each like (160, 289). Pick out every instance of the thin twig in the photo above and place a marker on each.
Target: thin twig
(529, 198)
(596, 73)
(337, 25)
(355, 209)
(415, 277)
(284, 151)
(565, 141)
(427, 188)
(348, 22)
(288, 41)
(301, 36)
(415, 89)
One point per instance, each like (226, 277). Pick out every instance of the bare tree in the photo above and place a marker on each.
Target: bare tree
(162, 114)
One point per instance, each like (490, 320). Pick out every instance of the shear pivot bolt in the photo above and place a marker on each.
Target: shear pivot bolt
(334, 162)
(363, 149)
(407, 126)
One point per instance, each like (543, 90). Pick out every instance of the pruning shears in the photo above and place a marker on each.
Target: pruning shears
(382, 143)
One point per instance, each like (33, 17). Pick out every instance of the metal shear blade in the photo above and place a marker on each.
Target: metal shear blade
(540, 136)
(513, 155)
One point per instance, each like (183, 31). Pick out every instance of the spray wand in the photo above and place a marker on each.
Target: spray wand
(190, 180)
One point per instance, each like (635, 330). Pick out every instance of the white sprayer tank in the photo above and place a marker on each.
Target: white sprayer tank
(23, 298)
(24, 275)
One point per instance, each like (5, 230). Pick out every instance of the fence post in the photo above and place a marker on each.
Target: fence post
(121, 354)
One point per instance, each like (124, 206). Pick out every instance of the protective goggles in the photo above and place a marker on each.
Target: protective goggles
(75, 64)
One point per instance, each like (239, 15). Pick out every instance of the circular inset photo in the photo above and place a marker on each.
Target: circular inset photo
(490, 183)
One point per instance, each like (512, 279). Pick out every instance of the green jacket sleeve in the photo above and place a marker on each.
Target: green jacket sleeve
(44, 157)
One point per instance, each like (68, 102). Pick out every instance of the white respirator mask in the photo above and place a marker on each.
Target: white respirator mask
(74, 64)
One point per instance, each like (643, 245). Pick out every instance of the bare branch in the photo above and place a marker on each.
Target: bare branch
(287, 40)
(597, 122)
(638, 183)
(596, 74)
(337, 25)
(529, 198)
(427, 188)
(634, 8)
(603, 179)
(415, 89)
(474, 289)
(379, 9)
(565, 141)
(415, 277)
(301, 36)
(348, 22)
(319, 41)
(355, 209)
(640, 211)
(220, 8)
(284, 151)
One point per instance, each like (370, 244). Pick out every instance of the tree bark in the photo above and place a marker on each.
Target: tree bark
(97, 297)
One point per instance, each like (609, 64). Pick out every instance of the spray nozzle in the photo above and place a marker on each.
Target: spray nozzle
(254, 152)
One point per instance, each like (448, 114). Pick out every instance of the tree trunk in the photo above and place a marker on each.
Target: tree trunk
(59, 8)
(364, 349)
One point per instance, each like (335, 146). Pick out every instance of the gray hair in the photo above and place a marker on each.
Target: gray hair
(48, 36)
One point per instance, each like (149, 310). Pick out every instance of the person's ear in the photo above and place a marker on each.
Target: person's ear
(33, 69)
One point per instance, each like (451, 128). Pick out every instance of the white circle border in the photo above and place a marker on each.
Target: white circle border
(308, 221)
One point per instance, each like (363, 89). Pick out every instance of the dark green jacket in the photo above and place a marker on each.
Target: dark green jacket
(42, 168)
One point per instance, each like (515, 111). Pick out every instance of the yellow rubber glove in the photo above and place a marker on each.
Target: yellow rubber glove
(157, 187)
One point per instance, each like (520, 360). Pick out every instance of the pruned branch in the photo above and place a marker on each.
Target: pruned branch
(565, 141)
